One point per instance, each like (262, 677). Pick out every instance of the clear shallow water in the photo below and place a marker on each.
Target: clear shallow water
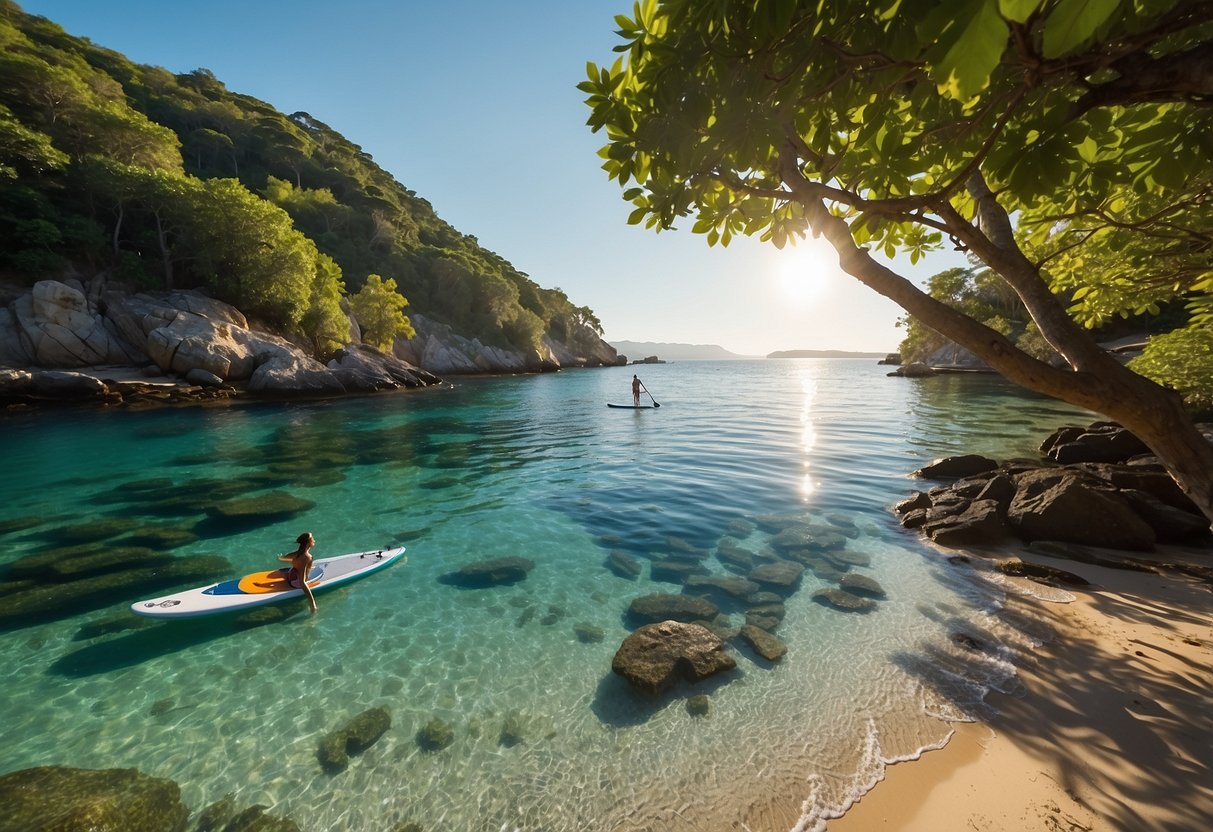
(534, 467)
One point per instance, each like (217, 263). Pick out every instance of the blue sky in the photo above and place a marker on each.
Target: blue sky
(473, 105)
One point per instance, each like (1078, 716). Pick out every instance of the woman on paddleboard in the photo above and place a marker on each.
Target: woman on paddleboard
(301, 566)
(635, 390)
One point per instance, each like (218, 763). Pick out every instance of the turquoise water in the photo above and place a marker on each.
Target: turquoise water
(534, 467)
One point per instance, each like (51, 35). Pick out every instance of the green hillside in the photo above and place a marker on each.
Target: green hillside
(174, 181)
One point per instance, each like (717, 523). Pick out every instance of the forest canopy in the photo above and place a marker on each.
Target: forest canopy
(174, 181)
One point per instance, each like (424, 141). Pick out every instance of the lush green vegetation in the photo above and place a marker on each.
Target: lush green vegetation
(175, 181)
(1065, 144)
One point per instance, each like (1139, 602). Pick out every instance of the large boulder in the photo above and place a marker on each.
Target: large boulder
(1062, 505)
(362, 368)
(285, 374)
(59, 329)
(192, 342)
(979, 523)
(1101, 442)
(57, 799)
(659, 655)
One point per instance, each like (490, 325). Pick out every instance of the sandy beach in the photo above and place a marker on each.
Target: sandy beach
(1113, 730)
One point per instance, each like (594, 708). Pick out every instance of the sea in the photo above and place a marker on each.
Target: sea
(542, 734)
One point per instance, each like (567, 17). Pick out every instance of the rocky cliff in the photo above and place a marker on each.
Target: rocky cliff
(79, 325)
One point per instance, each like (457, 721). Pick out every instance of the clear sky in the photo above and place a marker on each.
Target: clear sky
(473, 104)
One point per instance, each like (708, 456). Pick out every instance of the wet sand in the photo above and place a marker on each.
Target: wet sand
(1114, 730)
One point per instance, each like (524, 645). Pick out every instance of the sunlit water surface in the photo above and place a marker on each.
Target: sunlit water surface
(535, 467)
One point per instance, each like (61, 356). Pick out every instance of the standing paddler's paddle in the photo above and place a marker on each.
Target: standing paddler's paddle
(646, 390)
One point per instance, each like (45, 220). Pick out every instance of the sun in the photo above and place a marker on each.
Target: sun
(802, 272)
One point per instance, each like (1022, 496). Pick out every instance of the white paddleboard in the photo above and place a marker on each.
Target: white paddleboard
(259, 588)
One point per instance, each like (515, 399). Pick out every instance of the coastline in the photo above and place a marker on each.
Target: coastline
(1112, 729)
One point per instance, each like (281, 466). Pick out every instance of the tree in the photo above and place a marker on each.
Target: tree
(379, 309)
(1023, 131)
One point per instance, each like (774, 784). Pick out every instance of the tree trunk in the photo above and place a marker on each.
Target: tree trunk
(166, 255)
(1150, 411)
(120, 210)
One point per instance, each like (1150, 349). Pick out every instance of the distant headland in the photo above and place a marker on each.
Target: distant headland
(824, 354)
(676, 352)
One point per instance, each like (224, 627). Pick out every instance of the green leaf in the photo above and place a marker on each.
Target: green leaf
(1018, 11)
(975, 51)
(1072, 22)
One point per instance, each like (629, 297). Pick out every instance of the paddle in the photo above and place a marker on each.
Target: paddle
(646, 390)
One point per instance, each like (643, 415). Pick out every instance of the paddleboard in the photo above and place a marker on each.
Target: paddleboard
(259, 588)
(631, 406)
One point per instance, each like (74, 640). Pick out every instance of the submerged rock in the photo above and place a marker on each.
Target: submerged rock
(658, 655)
(57, 799)
(840, 599)
(766, 645)
(781, 574)
(699, 705)
(486, 573)
(436, 735)
(263, 508)
(623, 565)
(861, 585)
(588, 633)
(40, 601)
(666, 607)
(675, 571)
(356, 736)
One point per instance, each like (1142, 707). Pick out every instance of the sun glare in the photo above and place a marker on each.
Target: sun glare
(801, 272)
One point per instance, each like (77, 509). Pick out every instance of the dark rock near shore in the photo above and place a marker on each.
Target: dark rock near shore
(487, 573)
(955, 467)
(1069, 508)
(1110, 503)
(57, 799)
(1039, 572)
(658, 655)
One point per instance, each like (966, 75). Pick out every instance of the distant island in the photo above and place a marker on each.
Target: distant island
(824, 354)
(675, 352)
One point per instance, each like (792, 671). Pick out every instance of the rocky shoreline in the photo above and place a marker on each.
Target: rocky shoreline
(84, 341)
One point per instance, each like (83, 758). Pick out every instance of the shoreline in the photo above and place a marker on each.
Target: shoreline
(1112, 729)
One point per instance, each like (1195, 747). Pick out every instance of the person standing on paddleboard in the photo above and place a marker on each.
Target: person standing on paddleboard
(635, 390)
(301, 566)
